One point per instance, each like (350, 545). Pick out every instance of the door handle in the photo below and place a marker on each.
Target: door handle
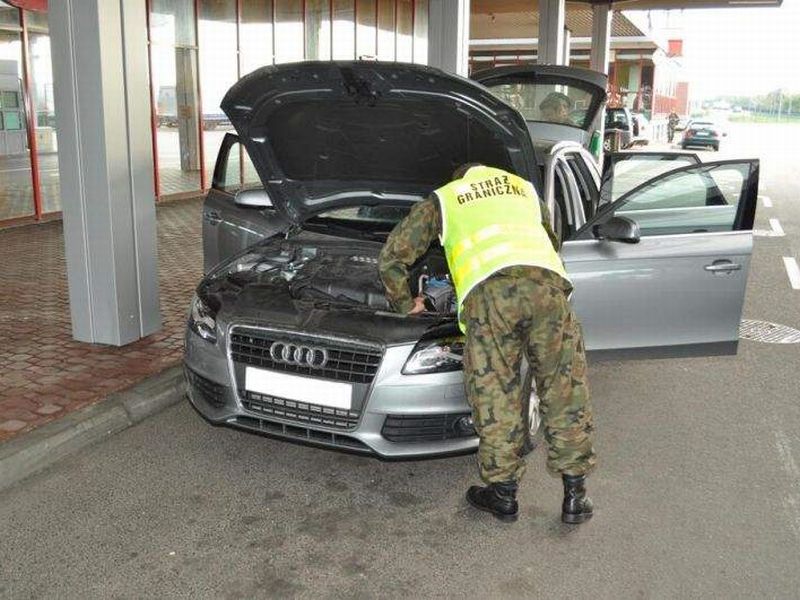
(212, 217)
(722, 266)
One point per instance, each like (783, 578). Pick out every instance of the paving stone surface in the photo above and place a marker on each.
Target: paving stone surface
(44, 373)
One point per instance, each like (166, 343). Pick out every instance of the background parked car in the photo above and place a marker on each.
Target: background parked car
(703, 134)
(628, 128)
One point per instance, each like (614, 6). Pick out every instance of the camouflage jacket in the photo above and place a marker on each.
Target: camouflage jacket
(410, 239)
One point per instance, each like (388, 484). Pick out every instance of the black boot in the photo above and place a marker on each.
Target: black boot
(577, 507)
(500, 499)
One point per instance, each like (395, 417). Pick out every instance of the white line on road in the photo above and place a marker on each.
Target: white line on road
(793, 271)
(766, 201)
(775, 230)
(791, 502)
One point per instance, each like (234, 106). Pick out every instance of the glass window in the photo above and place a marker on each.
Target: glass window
(365, 29)
(175, 94)
(16, 188)
(10, 99)
(12, 120)
(318, 30)
(172, 22)
(421, 32)
(702, 199)
(405, 30)
(631, 170)
(36, 20)
(44, 108)
(548, 102)
(8, 15)
(289, 31)
(239, 170)
(344, 30)
(218, 72)
(255, 35)
(386, 14)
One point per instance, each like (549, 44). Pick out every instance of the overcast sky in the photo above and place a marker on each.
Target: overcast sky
(741, 51)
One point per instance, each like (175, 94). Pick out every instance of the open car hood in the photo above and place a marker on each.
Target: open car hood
(325, 135)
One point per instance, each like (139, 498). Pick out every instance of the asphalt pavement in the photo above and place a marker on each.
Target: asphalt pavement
(697, 490)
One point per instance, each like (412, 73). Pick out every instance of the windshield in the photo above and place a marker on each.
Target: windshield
(548, 102)
(616, 118)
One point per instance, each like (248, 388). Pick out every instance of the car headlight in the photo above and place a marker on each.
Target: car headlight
(202, 320)
(436, 356)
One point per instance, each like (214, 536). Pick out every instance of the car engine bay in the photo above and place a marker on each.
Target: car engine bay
(339, 275)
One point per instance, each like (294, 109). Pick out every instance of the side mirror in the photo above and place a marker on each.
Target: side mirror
(618, 229)
(253, 199)
(724, 134)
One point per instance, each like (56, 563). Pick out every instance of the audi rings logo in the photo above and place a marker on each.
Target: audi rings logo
(300, 356)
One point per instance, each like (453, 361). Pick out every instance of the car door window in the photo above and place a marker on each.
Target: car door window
(701, 199)
(239, 171)
(624, 171)
(587, 188)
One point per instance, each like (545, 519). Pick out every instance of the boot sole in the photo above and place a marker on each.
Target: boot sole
(576, 519)
(496, 515)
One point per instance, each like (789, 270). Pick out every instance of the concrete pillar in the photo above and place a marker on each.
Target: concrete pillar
(99, 53)
(551, 32)
(599, 57)
(566, 50)
(448, 35)
(601, 37)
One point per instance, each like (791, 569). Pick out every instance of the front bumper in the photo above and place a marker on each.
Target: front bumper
(396, 406)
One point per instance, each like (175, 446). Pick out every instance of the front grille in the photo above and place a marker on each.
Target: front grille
(424, 428)
(212, 393)
(292, 410)
(346, 362)
(302, 434)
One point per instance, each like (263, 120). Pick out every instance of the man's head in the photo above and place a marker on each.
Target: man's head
(555, 108)
(462, 170)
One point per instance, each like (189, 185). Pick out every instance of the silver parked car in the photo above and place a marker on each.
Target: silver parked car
(290, 334)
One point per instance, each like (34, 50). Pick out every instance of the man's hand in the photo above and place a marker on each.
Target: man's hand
(419, 306)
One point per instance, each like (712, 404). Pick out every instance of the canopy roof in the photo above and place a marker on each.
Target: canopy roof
(501, 6)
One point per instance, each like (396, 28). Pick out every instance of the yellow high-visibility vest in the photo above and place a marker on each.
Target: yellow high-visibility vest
(491, 219)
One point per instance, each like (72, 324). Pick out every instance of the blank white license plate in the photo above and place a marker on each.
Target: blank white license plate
(333, 394)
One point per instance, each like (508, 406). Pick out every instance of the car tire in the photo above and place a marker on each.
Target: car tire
(533, 424)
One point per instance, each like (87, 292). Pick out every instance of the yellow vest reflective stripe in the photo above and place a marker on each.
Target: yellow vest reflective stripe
(491, 220)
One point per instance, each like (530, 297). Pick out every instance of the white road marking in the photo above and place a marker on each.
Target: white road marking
(791, 502)
(775, 230)
(793, 271)
(766, 201)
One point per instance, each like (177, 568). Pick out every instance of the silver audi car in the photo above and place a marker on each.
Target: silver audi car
(290, 334)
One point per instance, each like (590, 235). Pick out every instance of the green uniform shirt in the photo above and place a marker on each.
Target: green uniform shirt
(412, 237)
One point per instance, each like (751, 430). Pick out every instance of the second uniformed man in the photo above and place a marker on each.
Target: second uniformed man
(512, 292)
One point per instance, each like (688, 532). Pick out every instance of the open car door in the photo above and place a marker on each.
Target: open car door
(662, 269)
(237, 212)
(558, 103)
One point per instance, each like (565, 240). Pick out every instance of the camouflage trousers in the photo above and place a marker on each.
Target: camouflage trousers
(524, 311)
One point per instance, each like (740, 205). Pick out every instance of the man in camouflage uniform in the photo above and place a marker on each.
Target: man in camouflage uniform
(517, 310)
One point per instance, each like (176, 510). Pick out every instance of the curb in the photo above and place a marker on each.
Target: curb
(31, 452)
